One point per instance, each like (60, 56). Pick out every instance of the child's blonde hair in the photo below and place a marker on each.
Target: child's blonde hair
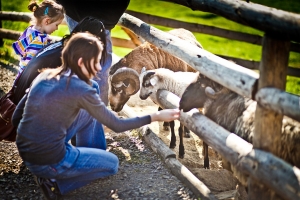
(48, 8)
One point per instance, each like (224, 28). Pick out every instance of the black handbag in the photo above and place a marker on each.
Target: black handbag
(7, 107)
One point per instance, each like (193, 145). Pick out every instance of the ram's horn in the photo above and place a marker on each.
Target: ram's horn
(129, 78)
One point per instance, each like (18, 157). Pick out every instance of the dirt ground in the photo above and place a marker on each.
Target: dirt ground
(16, 182)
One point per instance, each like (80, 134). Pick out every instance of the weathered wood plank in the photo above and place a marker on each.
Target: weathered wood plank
(261, 17)
(279, 101)
(262, 166)
(228, 74)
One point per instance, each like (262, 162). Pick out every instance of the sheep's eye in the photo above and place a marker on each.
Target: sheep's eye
(118, 90)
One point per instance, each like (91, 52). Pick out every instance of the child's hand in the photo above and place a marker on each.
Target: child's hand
(166, 115)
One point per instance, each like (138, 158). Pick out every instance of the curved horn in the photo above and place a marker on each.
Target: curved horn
(211, 93)
(131, 76)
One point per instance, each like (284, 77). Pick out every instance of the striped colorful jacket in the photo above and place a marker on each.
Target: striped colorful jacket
(30, 42)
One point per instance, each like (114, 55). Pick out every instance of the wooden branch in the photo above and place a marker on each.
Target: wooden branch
(261, 17)
(226, 73)
(270, 170)
(279, 101)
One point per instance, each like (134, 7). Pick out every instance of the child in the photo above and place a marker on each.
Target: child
(47, 16)
(61, 103)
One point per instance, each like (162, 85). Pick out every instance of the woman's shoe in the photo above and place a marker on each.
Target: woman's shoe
(49, 188)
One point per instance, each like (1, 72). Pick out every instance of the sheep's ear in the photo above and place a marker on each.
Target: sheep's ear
(143, 70)
(154, 80)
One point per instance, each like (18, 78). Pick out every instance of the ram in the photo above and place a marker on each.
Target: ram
(236, 114)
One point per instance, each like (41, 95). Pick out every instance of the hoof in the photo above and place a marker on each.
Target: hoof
(172, 146)
(187, 135)
(181, 156)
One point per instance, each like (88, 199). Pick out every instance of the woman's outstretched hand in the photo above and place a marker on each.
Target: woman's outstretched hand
(166, 115)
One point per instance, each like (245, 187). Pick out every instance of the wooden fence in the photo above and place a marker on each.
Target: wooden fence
(267, 88)
(151, 19)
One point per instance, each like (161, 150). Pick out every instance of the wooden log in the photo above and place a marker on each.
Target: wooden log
(14, 35)
(261, 17)
(268, 123)
(245, 37)
(186, 177)
(16, 16)
(179, 170)
(251, 64)
(205, 29)
(226, 73)
(262, 166)
(279, 101)
(1, 40)
(9, 34)
(19, 16)
(156, 143)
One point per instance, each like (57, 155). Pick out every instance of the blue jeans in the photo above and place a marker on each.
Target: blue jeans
(103, 74)
(84, 163)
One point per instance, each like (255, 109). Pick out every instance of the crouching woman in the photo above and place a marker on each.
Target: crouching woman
(61, 103)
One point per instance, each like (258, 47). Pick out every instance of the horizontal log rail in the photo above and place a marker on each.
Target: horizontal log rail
(235, 77)
(14, 35)
(266, 168)
(125, 43)
(266, 19)
(205, 29)
(279, 101)
(228, 74)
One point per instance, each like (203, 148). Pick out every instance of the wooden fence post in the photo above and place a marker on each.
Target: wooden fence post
(268, 123)
(1, 40)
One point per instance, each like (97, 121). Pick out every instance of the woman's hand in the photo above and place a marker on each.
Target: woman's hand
(166, 115)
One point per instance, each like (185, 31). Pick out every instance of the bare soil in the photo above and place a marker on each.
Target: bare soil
(142, 174)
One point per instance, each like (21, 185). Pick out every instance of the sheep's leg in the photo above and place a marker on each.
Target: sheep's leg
(173, 137)
(181, 146)
(186, 132)
(166, 124)
(205, 152)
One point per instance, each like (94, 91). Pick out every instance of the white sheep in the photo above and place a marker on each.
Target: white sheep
(175, 82)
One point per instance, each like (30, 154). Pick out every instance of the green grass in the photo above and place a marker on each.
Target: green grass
(213, 44)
